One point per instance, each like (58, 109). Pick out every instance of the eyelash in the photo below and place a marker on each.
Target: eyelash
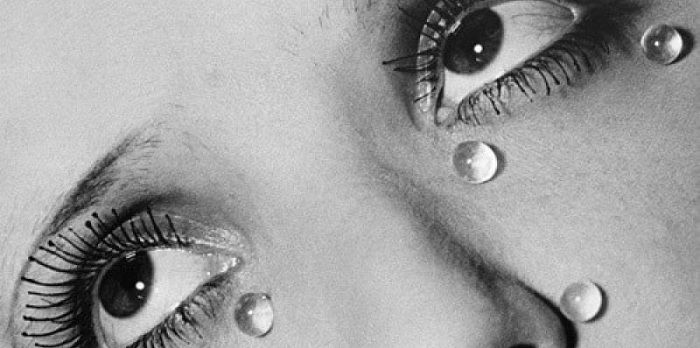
(206, 299)
(582, 50)
(86, 253)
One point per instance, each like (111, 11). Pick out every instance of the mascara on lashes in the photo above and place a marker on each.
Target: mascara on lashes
(59, 289)
(60, 298)
(583, 49)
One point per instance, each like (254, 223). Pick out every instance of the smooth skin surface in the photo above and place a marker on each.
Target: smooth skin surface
(277, 117)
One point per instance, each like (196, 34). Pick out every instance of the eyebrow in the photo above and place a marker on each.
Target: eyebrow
(100, 178)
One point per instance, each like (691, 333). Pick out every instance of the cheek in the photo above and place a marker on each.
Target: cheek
(607, 188)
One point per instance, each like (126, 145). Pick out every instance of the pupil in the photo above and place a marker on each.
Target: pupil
(126, 285)
(475, 43)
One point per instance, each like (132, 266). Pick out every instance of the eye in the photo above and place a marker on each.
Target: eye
(486, 43)
(482, 60)
(137, 282)
(141, 289)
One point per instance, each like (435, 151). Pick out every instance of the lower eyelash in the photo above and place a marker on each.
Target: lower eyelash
(61, 302)
(183, 324)
(576, 53)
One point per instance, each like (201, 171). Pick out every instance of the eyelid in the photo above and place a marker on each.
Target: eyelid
(225, 240)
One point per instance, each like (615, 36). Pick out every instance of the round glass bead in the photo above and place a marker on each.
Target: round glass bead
(254, 314)
(662, 44)
(581, 301)
(475, 161)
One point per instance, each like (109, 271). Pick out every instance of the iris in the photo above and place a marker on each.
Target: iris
(127, 285)
(475, 43)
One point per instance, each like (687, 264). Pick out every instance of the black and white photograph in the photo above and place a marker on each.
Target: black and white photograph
(349, 173)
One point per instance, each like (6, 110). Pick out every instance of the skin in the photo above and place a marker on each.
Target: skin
(277, 118)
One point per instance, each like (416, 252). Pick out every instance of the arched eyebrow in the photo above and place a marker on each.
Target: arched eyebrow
(103, 176)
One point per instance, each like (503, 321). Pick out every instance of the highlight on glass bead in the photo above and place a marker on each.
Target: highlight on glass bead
(581, 301)
(254, 314)
(662, 44)
(475, 161)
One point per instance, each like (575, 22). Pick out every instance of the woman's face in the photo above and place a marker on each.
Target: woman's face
(269, 133)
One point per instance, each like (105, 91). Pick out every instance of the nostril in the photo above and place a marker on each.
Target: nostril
(534, 321)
